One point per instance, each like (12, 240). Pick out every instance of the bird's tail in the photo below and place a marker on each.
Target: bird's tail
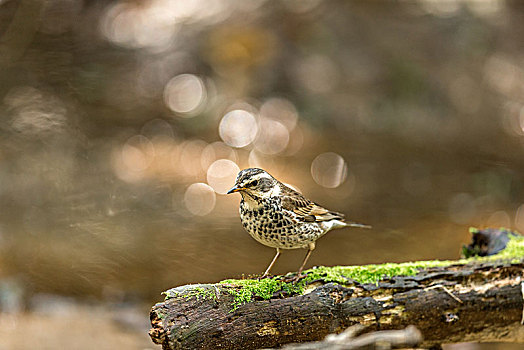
(356, 224)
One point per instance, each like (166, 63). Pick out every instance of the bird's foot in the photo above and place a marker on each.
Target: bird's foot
(293, 278)
(266, 275)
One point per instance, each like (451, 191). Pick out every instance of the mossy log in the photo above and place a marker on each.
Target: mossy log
(478, 299)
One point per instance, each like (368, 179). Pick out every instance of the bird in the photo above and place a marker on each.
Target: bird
(280, 217)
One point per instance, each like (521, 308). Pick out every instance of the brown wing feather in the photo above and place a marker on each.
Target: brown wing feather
(304, 208)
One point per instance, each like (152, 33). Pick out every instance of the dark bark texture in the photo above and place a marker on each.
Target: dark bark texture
(473, 302)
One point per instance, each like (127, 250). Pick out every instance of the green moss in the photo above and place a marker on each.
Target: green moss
(204, 291)
(371, 273)
(246, 290)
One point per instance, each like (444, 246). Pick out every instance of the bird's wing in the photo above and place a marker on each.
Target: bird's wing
(305, 209)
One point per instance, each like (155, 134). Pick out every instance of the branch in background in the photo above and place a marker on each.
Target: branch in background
(347, 340)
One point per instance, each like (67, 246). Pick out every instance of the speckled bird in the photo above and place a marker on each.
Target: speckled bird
(280, 217)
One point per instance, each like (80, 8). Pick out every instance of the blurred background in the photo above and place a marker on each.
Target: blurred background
(123, 124)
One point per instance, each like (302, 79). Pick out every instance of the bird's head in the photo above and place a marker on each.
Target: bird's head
(256, 183)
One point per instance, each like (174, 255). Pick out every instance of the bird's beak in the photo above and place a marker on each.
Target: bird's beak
(235, 189)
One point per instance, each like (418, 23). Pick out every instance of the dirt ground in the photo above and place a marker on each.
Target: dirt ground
(79, 329)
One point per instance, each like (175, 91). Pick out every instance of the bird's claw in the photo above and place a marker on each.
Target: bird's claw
(264, 276)
(293, 279)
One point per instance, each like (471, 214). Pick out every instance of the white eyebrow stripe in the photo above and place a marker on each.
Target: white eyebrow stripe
(262, 175)
(257, 177)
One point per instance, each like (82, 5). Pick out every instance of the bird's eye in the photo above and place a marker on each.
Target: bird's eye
(253, 183)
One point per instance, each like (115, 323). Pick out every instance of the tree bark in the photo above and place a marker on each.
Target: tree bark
(472, 302)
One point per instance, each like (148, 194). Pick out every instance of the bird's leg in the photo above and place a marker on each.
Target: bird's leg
(271, 265)
(311, 247)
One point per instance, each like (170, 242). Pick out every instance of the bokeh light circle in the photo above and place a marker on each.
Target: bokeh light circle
(281, 110)
(217, 150)
(462, 208)
(259, 160)
(149, 25)
(272, 138)
(185, 94)
(238, 128)
(187, 159)
(317, 73)
(221, 175)
(157, 129)
(329, 170)
(499, 219)
(137, 153)
(200, 199)
(296, 141)
(519, 218)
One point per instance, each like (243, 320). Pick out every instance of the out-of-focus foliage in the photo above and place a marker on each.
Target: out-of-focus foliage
(123, 123)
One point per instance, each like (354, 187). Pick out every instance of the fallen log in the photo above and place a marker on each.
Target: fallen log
(475, 299)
